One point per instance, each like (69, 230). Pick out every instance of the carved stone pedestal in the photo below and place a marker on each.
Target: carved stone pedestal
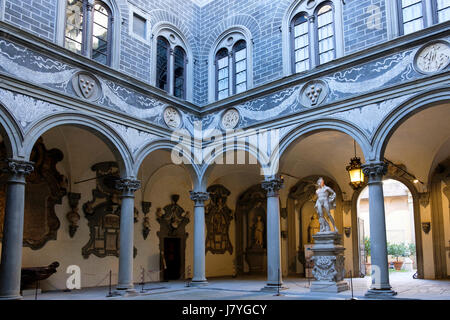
(328, 258)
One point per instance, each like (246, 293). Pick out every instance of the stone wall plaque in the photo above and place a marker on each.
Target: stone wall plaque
(44, 189)
(103, 213)
(314, 93)
(86, 86)
(230, 119)
(432, 57)
(172, 117)
(218, 218)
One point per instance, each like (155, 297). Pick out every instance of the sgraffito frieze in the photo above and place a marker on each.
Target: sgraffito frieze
(26, 109)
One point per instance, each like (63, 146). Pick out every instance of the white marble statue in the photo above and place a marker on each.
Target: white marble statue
(326, 200)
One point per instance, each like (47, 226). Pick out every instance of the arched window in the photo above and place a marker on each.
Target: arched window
(312, 32)
(325, 33)
(88, 30)
(222, 74)
(300, 43)
(411, 15)
(179, 73)
(240, 67)
(171, 70)
(441, 10)
(162, 64)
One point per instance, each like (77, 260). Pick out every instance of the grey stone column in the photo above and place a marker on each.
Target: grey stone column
(378, 243)
(128, 187)
(199, 198)
(11, 263)
(274, 278)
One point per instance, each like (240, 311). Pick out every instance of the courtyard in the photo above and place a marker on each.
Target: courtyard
(249, 288)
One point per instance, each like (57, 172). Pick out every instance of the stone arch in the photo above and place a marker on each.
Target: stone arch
(402, 113)
(84, 121)
(11, 133)
(251, 149)
(312, 127)
(160, 16)
(417, 222)
(192, 168)
(242, 21)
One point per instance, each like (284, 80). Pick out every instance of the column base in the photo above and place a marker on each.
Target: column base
(12, 297)
(380, 293)
(271, 287)
(125, 292)
(329, 286)
(198, 283)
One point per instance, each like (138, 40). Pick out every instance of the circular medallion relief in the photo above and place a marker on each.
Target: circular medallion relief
(172, 38)
(230, 119)
(230, 40)
(433, 57)
(172, 117)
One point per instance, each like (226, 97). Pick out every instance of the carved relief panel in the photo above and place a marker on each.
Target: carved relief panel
(218, 218)
(251, 230)
(45, 189)
(103, 213)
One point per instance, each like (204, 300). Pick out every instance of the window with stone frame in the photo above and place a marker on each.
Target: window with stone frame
(300, 43)
(325, 33)
(171, 71)
(179, 73)
(441, 11)
(162, 63)
(412, 16)
(88, 29)
(231, 67)
(222, 74)
(312, 35)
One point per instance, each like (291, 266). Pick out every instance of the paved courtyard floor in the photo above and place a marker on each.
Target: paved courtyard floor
(249, 288)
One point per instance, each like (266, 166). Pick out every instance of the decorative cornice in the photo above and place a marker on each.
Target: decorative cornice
(128, 185)
(199, 197)
(272, 186)
(374, 171)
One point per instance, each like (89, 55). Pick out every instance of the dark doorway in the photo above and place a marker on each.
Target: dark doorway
(172, 256)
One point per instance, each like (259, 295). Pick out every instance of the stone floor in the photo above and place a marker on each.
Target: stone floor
(248, 288)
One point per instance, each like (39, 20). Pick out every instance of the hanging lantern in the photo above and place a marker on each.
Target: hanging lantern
(355, 172)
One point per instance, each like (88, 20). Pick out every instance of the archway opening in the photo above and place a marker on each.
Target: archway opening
(165, 229)
(400, 229)
(72, 210)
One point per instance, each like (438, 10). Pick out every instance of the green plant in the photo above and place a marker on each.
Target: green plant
(367, 246)
(412, 249)
(398, 250)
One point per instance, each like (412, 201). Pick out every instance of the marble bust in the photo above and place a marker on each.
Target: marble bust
(326, 200)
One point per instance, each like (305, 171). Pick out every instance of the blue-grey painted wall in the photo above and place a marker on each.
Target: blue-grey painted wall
(202, 25)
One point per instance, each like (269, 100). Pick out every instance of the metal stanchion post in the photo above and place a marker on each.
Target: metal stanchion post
(110, 292)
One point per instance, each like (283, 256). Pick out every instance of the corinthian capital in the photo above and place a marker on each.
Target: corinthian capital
(272, 186)
(199, 197)
(18, 167)
(128, 185)
(374, 171)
